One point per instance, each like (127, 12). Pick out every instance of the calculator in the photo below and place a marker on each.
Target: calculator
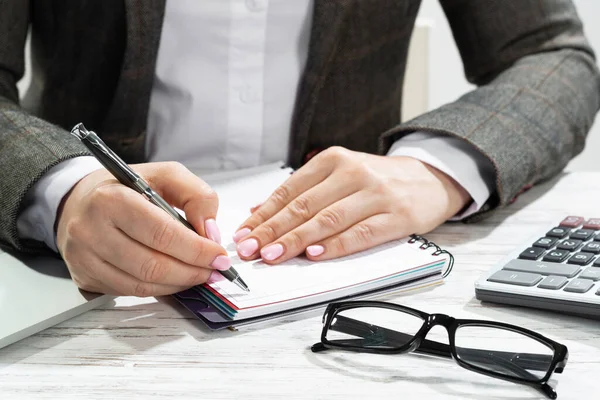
(557, 270)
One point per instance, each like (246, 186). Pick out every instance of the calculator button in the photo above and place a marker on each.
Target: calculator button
(572, 221)
(515, 278)
(558, 232)
(570, 244)
(556, 256)
(579, 286)
(592, 273)
(581, 258)
(592, 223)
(545, 242)
(531, 253)
(592, 247)
(582, 234)
(543, 268)
(553, 282)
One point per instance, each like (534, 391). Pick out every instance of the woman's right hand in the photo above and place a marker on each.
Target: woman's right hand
(114, 241)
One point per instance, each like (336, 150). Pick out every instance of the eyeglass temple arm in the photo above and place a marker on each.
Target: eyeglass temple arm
(537, 362)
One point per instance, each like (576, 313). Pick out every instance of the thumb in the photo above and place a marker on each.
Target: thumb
(186, 191)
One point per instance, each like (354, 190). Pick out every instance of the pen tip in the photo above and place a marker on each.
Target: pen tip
(242, 284)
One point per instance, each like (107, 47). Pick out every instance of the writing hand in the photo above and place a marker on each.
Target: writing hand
(114, 241)
(342, 202)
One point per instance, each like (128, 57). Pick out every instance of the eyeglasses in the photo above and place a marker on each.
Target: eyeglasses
(491, 348)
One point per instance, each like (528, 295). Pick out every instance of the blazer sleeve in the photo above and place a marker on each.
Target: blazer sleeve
(29, 146)
(538, 90)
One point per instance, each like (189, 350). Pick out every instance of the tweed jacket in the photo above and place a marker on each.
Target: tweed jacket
(538, 87)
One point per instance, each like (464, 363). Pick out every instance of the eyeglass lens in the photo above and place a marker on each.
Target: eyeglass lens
(380, 328)
(503, 351)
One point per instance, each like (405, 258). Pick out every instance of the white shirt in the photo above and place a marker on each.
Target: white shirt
(225, 84)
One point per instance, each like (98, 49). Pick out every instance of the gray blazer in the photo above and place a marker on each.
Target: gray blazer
(93, 61)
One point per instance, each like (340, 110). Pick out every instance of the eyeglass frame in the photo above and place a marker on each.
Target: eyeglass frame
(420, 344)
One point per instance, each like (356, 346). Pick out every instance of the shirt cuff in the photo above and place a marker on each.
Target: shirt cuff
(42, 200)
(454, 157)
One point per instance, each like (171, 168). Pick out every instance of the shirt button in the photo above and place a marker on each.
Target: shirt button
(255, 5)
(249, 95)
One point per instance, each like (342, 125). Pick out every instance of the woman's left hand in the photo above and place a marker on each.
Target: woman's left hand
(343, 201)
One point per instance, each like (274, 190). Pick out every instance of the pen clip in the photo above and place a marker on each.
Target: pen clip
(106, 156)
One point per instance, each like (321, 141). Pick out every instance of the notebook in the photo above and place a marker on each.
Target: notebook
(300, 284)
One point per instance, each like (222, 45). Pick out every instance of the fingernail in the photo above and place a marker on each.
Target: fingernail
(241, 234)
(215, 277)
(212, 230)
(247, 247)
(222, 263)
(315, 250)
(271, 252)
(255, 207)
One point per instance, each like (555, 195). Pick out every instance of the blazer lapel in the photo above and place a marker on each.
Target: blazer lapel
(328, 18)
(128, 114)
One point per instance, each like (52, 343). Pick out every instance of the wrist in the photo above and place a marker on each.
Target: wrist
(458, 198)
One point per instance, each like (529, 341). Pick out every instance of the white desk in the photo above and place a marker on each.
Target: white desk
(153, 350)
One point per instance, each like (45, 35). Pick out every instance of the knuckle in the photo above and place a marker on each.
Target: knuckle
(163, 236)
(282, 194)
(330, 218)
(175, 167)
(199, 258)
(152, 270)
(269, 231)
(339, 245)
(211, 196)
(336, 153)
(74, 229)
(103, 198)
(363, 234)
(294, 241)
(198, 277)
(381, 187)
(257, 218)
(402, 204)
(141, 289)
(300, 208)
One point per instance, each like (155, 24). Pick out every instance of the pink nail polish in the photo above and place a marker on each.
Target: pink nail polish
(222, 263)
(271, 252)
(247, 247)
(215, 277)
(212, 230)
(241, 234)
(315, 250)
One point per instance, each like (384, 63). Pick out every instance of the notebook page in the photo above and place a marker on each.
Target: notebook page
(299, 281)
(300, 278)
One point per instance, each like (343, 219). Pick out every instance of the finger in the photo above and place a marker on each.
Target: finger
(119, 283)
(328, 222)
(302, 180)
(151, 226)
(149, 265)
(300, 210)
(371, 232)
(186, 191)
(256, 207)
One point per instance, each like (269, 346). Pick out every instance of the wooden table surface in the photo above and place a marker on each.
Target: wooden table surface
(154, 349)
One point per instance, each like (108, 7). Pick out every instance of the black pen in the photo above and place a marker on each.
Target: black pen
(116, 166)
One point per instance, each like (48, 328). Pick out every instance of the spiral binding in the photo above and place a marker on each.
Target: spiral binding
(438, 251)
